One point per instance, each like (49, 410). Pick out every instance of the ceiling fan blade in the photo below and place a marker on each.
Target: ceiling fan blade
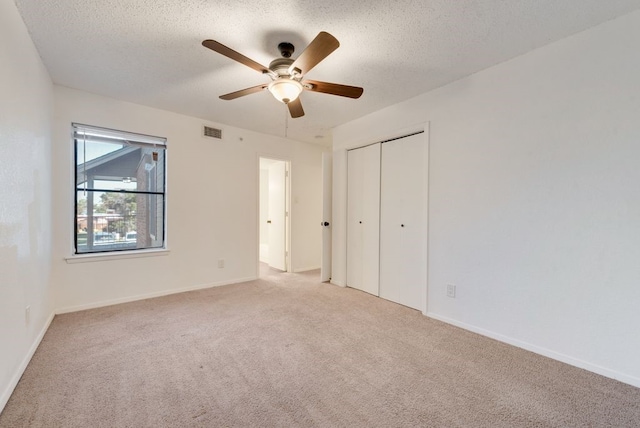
(243, 92)
(295, 108)
(318, 49)
(333, 88)
(236, 56)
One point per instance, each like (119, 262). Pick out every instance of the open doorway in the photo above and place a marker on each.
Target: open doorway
(274, 221)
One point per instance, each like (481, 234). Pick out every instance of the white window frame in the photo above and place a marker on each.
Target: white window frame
(141, 140)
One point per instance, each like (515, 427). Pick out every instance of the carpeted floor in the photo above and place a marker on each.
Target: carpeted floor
(287, 350)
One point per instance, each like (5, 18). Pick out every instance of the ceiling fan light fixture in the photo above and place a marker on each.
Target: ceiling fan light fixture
(285, 90)
(287, 74)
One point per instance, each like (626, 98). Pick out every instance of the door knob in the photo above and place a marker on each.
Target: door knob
(360, 222)
(269, 221)
(402, 225)
(325, 224)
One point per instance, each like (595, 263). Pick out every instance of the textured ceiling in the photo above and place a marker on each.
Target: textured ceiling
(149, 52)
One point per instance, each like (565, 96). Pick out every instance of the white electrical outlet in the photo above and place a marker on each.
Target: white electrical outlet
(451, 290)
(27, 314)
(220, 263)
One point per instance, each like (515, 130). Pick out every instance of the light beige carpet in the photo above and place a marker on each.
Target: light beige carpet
(289, 351)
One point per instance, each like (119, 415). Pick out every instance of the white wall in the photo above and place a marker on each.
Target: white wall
(212, 204)
(534, 208)
(25, 188)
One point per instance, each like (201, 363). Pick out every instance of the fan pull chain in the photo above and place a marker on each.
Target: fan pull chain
(286, 123)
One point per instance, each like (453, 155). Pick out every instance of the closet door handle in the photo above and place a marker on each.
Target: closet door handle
(360, 222)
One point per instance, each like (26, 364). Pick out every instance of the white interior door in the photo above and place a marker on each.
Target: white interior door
(363, 218)
(403, 257)
(327, 171)
(264, 212)
(277, 216)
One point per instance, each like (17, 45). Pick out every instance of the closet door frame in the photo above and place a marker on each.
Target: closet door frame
(341, 203)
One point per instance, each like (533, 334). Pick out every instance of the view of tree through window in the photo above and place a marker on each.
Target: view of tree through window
(120, 190)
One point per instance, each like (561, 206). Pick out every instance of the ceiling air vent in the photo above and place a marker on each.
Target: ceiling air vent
(213, 132)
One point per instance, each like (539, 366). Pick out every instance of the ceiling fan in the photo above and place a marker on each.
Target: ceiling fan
(287, 74)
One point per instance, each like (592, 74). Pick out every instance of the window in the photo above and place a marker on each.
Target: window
(120, 190)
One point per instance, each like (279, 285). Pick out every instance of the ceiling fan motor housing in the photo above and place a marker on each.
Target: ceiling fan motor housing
(280, 66)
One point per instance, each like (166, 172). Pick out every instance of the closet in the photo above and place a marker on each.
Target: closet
(386, 220)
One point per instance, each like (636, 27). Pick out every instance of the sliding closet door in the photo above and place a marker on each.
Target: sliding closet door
(403, 253)
(363, 218)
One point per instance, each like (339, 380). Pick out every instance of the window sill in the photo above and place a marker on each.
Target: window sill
(101, 257)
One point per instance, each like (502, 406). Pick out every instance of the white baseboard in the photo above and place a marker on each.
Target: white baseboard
(6, 394)
(631, 380)
(338, 283)
(111, 302)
